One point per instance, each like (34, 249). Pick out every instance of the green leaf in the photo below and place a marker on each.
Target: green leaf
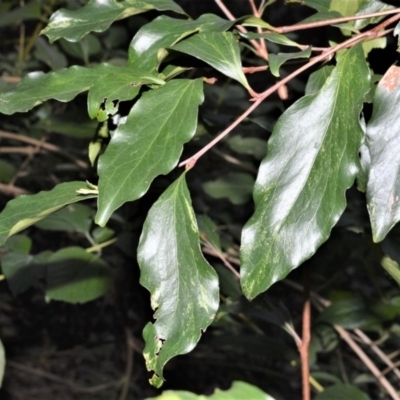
(2, 363)
(340, 391)
(251, 146)
(49, 54)
(276, 60)
(383, 142)
(368, 7)
(183, 286)
(218, 49)
(26, 210)
(74, 217)
(208, 231)
(349, 313)
(98, 15)
(76, 276)
(345, 8)
(148, 144)
(312, 159)
(392, 268)
(319, 5)
(238, 391)
(318, 78)
(271, 37)
(31, 11)
(236, 186)
(22, 270)
(396, 32)
(7, 171)
(109, 83)
(120, 85)
(145, 50)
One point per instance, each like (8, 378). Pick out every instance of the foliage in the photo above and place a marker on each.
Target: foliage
(183, 84)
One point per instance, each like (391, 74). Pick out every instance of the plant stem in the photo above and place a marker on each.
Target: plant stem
(371, 34)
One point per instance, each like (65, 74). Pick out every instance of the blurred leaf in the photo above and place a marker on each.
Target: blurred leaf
(148, 144)
(2, 363)
(228, 283)
(68, 124)
(208, 231)
(63, 85)
(238, 391)
(76, 276)
(378, 43)
(145, 49)
(345, 8)
(319, 5)
(7, 171)
(340, 391)
(276, 60)
(30, 11)
(22, 270)
(101, 234)
(314, 142)
(235, 186)
(18, 243)
(392, 268)
(90, 45)
(396, 32)
(183, 286)
(98, 15)
(219, 49)
(26, 210)
(349, 313)
(75, 217)
(383, 143)
(251, 20)
(49, 54)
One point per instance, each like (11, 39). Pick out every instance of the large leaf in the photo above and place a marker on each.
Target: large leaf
(183, 286)
(76, 276)
(219, 49)
(145, 50)
(148, 144)
(383, 143)
(109, 83)
(98, 15)
(26, 210)
(312, 159)
(340, 391)
(238, 391)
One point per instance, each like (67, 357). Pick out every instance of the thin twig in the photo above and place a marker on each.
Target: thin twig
(371, 34)
(12, 190)
(55, 378)
(129, 365)
(333, 21)
(47, 146)
(306, 337)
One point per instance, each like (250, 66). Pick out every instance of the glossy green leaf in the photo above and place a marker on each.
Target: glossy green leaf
(276, 60)
(312, 159)
(76, 276)
(145, 50)
(271, 37)
(74, 217)
(235, 186)
(26, 210)
(383, 142)
(218, 49)
(119, 85)
(238, 391)
(98, 15)
(183, 286)
(148, 144)
(109, 83)
(340, 391)
(368, 7)
(2, 363)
